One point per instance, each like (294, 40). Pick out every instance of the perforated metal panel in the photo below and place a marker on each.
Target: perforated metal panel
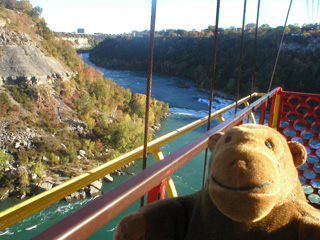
(299, 121)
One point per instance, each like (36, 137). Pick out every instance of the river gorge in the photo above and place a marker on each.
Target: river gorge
(187, 104)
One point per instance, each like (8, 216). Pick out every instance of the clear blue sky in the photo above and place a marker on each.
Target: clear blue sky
(119, 16)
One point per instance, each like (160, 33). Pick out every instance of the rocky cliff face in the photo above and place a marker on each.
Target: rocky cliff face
(78, 42)
(21, 59)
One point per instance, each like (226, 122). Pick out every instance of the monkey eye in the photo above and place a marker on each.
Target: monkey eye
(228, 139)
(268, 144)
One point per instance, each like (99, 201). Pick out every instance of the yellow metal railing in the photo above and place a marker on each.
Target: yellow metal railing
(20, 211)
(87, 220)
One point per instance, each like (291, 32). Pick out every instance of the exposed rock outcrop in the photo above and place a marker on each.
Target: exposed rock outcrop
(21, 59)
(78, 42)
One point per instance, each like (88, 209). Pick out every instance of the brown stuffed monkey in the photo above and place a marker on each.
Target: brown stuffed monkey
(253, 192)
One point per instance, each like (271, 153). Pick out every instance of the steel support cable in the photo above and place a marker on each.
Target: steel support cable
(253, 69)
(312, 9)
(308, 11)
(317, 11)
(280, 45)
(241, 53)
(149, 85)
(213, 73)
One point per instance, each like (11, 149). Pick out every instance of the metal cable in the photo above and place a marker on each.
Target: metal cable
(213, 73)
(253, 69)
(149, 85)
(312, 9)
(280, 45)
(241, 53)
(317, 11)
(308, 11)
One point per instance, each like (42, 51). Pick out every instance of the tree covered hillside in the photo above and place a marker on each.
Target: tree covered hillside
(189, 55)
(44, 126)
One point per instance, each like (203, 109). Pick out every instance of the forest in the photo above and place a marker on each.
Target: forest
(189, 55)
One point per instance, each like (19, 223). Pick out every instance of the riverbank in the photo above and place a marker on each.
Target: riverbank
(50, 175)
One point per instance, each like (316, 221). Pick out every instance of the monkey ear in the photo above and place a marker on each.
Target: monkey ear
(299, 153)
(214, 139)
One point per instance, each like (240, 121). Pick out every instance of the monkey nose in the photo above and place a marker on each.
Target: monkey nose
(239, 164)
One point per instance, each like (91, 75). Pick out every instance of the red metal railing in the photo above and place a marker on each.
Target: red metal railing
(296, 116)
(87, 220)
(299, 120)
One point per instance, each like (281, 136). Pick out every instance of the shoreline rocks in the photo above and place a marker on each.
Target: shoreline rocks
(108, 178)
(95, 188)
(44, 186)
